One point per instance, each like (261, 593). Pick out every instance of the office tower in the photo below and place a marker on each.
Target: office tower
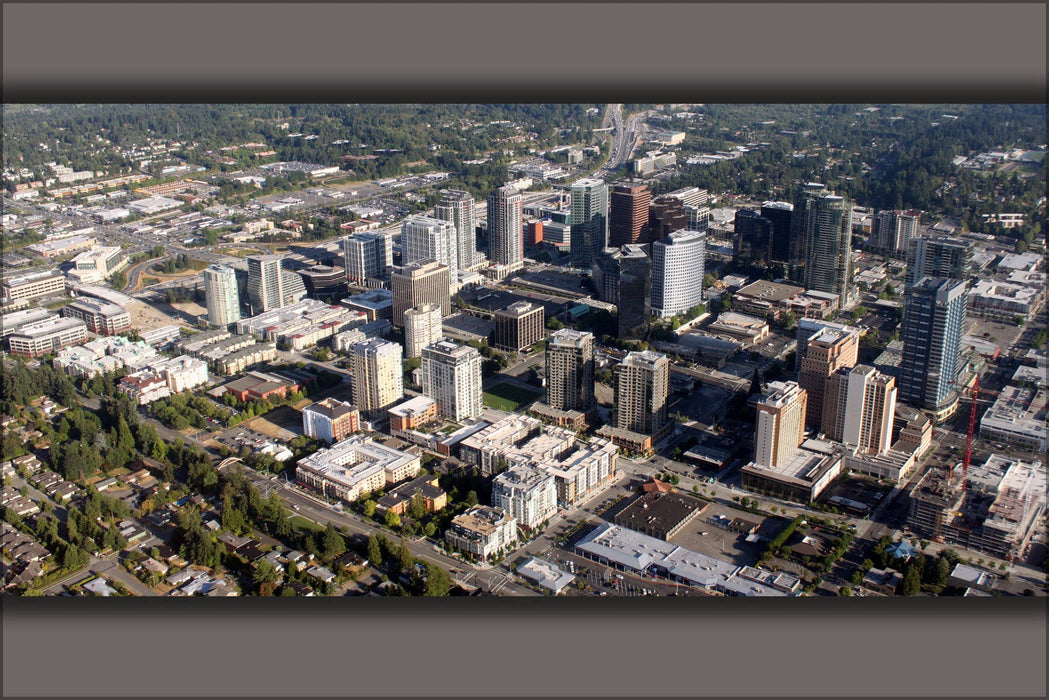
(460, 209)
(824, 222)
(780, 214)
(931, 331)
(424, 238)
(505, 236)
(753, 238)
(642, 383)
(628, 214)
(221, 296)
(519, 326)
(417, 284)
(634, 293)
(806, 193)
(265, 283)
(780, 425)
(570, 370)
(677, 272)
(589, 220)
(859, 408)
(691, 196)
(451, 376)
(930, 256)
(367, 256)
(698, 218)
(892, 231)
(604, 273)
(808, 328)
(378, 376)
(666, 214)
(827, 352)
(422, 326)
(292, 289)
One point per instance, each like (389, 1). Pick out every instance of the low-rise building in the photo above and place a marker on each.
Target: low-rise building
(182, 373)
(801, 476)
(100, 317)
(412, 414)
(1001, 300)
(355, 466)
(145, 386)
(543, 573)
(330, 420)
(97, 264)
(484, 532)
(767, 299)
(47, 336)
(659, 514)
(748, 329)
(1018, 417)
(424, 488)
(32, 285)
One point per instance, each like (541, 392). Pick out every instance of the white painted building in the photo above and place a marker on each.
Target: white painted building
(527, 493)
(677, 272)
(451, 376)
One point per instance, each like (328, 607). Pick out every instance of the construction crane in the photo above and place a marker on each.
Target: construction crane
(974, 393)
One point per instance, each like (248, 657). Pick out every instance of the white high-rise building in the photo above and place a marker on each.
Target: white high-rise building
(422, 326)
(378, 375)
(570, 370)
(265, 283)
(865, 406)
(505, 232)
(367, 255)
(424, 238)
(460, 209)
(451, 376)
(677, 272)
(526, 493)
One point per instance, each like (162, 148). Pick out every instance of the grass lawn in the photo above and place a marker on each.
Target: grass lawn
(300, 523)
(507, 397)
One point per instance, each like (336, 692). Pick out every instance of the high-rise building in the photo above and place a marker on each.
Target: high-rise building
(753, 238)
(940, 256)
(666, 214)
(266, 283)
(589, 220)
(417, 284)
(780, 214)
(378, 376)
(605, 274)
(519, 326)
(367, 255)
(628, 214)
(570, 370)
(451, 376)
(677, 272)
(892, 231)
(931, 331)
(424, 238)
(698, 218)
(691, 196)
(505, 235)
(827, 351)
(422, 326)
(808, 328)
(634, 293)
(221, 295)
(859, 408)
(780, 425)
(642, 385)
(826, 229)
(460, 209)
(805, 194)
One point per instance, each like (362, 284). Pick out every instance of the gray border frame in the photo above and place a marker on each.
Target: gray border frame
(514, 648)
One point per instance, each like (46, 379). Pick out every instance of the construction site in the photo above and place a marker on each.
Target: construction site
(991, 508)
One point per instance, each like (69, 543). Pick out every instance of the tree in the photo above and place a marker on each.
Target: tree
(405, 560)
(333, 543)
(369, 508)
(392, 519)
(912, 582)
(264, 572)
(374, 551)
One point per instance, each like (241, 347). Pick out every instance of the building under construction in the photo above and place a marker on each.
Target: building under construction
(993, 511)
